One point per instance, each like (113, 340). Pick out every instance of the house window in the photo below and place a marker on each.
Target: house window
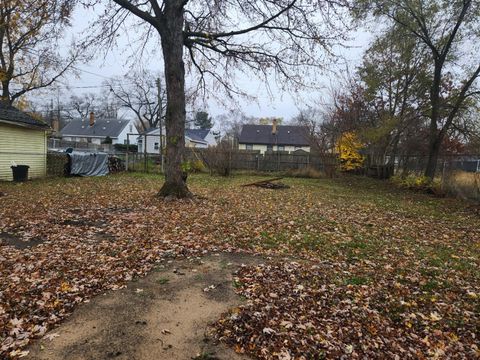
(125, 142)
(156, 146)
(269, 147)
(131, 128)
(281, 148)
(249, 147)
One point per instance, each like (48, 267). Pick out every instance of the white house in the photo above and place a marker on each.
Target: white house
(95, 131)
(195, 138)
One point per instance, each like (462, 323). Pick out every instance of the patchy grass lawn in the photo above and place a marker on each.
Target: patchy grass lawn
(359, 269)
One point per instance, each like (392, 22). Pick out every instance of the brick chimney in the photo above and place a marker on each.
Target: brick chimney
(274, 127)
(55, 124)
(92, 118)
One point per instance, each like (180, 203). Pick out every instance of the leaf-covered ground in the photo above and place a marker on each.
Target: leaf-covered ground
(361, 270)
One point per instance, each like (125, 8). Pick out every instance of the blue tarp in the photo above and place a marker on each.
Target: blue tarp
(88, 164)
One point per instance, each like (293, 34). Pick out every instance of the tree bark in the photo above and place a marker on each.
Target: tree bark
(434, 141)
(171, 33)
(433, 152)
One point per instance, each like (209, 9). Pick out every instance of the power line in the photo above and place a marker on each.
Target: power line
(89, 72)
(88, 86)
(113, 85)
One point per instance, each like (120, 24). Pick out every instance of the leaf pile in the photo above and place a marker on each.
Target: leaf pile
(302, 311)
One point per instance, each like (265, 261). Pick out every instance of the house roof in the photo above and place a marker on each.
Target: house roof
(195, 135)
(198, 133)
(12, 115)
(286, 135)
(102, 128)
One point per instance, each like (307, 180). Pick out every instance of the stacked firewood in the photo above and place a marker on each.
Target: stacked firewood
(115, 164)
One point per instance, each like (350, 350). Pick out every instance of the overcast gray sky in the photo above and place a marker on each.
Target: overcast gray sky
(281, 104)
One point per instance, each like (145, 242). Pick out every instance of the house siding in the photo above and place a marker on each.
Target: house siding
(129, 129)
(154, 137)
(263, 148)
(151, 140)
(24, 146)
(193, 144)
(210, 139)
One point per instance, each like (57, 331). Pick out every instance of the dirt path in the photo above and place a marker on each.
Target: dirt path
(162, 316)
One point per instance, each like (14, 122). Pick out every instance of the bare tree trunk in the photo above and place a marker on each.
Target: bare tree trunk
(434, 143)
(171, 32)
(433, 152)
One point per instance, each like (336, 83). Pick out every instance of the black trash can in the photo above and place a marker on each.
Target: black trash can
(20, 172)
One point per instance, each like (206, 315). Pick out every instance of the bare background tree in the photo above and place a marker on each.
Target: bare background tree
(80, 106)
(231, 125)
(144, 93)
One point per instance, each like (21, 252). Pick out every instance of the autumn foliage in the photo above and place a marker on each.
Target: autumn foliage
(348, 147)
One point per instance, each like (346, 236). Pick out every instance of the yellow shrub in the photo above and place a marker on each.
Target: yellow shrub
(349, 147)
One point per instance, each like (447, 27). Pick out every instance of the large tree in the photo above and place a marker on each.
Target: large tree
(394, 77)
(29, 32)
(448, 29)
(222, 38)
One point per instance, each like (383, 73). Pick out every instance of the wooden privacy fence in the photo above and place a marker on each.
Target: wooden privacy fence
(278, 161)
(254, 160)
(238, 160)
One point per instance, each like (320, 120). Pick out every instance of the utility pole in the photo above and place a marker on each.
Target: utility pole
(58, 106)
(160, 121)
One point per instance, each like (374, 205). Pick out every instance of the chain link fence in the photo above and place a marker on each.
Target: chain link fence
(457, 175)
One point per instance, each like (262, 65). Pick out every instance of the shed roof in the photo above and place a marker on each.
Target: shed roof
(286, 135)
(12, 115)
(197, 134)
(102, 128)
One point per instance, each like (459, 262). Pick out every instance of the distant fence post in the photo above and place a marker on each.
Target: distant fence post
(145, 154)
(126, 154)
